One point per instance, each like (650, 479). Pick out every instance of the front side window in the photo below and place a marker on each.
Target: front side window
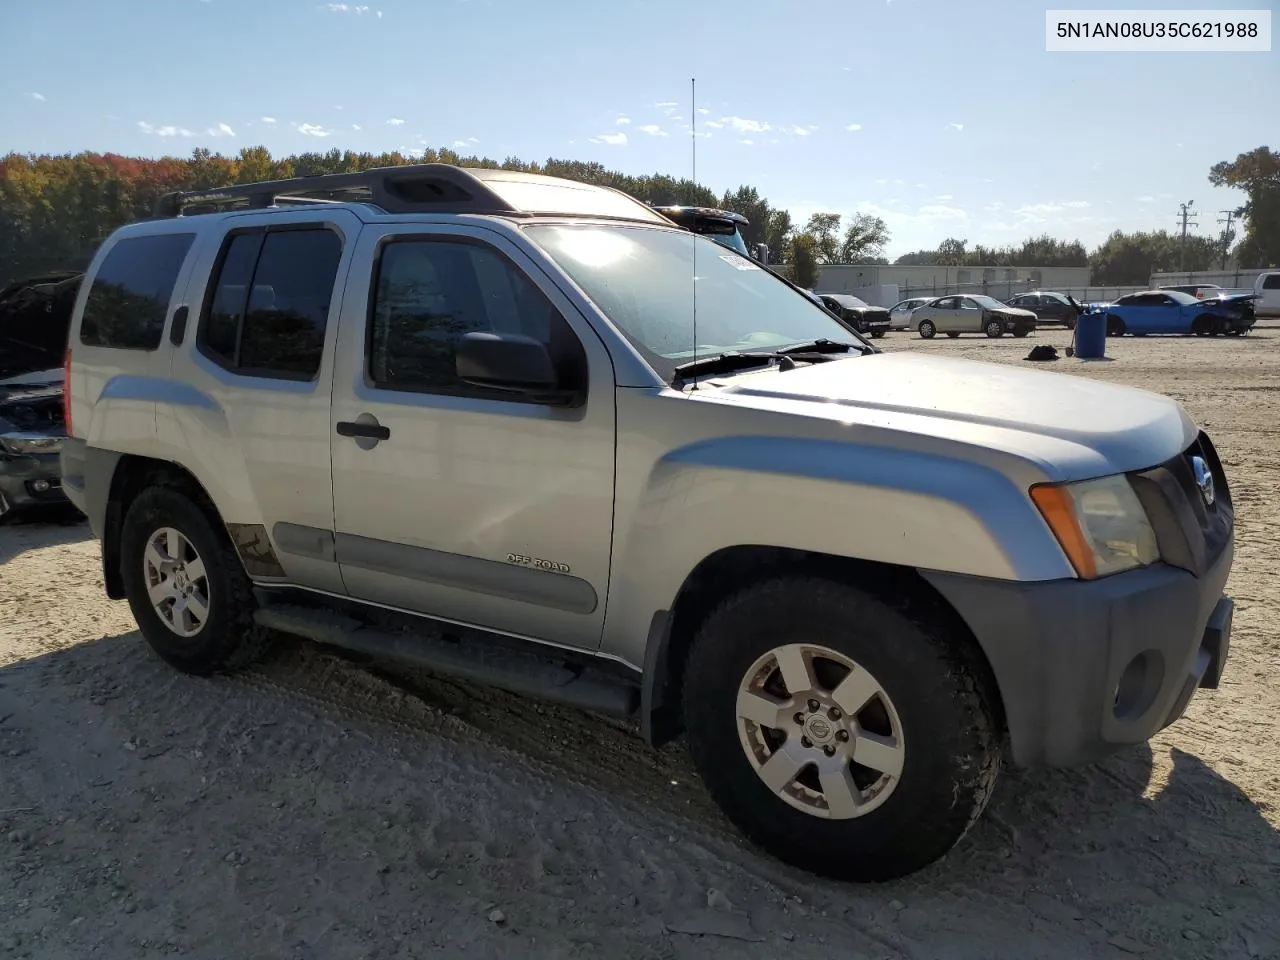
(268, 308)
(129, 299)
(643, 280)
(428, 293)
(1272, 282)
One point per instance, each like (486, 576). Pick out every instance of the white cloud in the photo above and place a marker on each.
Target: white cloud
(312, 130)
(464, 144)
(36, 96)
(395, 122)
(715, 124)
(358, 10)
(268, 119)
(653, 130)
(168, 130)
(622, 121)
(356, 126)
(612, 139)
(742, 125)
(221, 130)
(666, 105)
(853, 127)
(802, 131)
(941, 212)
(747, 142)
(881, 182)
(956, 126)
(704, 111)
(1147, 198)
(941, 196)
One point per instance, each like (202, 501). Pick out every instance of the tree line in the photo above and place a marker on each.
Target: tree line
(56, 209)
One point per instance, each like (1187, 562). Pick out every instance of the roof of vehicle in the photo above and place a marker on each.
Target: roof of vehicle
(846, 299)
(431, 188)
(676, 209)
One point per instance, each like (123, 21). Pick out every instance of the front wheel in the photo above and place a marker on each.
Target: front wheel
(1021, 333)
(1115, 326)
(877, 334)
(954, 335)
(186, 586)
(838, 732)
(927, 330)
(994, 329)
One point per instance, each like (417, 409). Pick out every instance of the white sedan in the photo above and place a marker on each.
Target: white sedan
(900, 312)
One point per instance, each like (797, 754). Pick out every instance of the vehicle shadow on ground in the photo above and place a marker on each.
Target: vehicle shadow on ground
(1138, 854)
(20, 532)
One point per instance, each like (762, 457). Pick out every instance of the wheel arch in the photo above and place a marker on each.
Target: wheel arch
(731, 569)
(132, 475)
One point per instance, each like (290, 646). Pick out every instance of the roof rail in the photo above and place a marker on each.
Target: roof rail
(412, 188)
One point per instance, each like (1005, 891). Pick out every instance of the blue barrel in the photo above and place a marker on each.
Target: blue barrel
(1091, 336)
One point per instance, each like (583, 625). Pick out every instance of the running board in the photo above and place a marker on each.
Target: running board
(519, 672)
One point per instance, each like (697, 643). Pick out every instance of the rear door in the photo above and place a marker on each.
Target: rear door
(458, 502)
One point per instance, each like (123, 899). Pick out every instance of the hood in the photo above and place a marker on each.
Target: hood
(35, 317)
(1014, 312)
(1072, 427)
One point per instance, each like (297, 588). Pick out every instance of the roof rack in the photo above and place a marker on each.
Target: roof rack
(413, 188)
(422, 188)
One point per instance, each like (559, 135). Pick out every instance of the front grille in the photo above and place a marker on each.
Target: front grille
(1191, 532)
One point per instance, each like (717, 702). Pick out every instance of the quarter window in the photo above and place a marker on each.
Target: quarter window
(269, 307)
(129, 299)
(428, 293)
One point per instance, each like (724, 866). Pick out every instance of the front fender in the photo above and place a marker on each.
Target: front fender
(874, 503)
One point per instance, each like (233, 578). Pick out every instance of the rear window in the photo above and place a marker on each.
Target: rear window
(129, 299)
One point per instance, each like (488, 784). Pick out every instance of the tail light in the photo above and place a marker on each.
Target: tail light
(66, 390)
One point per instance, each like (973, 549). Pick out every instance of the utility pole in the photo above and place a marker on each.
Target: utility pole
(1187, 217)
(1227, 235)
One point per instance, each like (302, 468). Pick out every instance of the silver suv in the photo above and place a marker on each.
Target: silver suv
(527, 431)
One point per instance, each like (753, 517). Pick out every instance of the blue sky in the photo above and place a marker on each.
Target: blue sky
(945, 118)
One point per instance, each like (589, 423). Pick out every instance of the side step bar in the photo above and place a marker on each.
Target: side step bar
(519, 672)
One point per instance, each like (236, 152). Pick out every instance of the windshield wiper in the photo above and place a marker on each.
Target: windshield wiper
(731, 361)
(821, 345)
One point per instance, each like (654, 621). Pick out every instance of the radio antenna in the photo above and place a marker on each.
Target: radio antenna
(693, 149)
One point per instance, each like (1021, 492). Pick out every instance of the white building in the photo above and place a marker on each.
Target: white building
(879, 282)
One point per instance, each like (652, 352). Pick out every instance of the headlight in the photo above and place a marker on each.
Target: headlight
(1099, 523)
(24, 444)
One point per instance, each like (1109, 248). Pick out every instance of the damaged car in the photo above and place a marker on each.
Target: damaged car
(35, 315)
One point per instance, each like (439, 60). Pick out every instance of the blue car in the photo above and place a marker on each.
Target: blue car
(1172, 311)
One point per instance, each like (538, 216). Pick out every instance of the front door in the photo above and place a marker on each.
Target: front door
(452, 500)
(946, 315)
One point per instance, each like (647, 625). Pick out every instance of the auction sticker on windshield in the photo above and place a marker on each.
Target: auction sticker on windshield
(1158, 31)
(737, 262)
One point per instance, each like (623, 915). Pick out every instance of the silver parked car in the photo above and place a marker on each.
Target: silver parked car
(971, 313)
(487, 422)
(900, 312)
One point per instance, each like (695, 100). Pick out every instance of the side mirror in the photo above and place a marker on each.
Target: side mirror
(510, 362)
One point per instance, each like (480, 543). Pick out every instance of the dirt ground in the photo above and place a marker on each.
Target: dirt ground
(313, 808)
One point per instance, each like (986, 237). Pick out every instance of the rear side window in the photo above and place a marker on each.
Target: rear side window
(268, 308)
(129, 299)
(1272, 282)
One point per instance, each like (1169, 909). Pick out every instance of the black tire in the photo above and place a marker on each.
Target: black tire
(229, 638)
(953, 334)
(994, 329)
(950, 737)
(1021, 333)
(1069, 323)
(877, 334)
(927, 330)
(1115, 326)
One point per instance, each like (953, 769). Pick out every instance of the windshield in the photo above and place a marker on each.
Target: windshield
(642, 279)
(733, 241)
(991, 303)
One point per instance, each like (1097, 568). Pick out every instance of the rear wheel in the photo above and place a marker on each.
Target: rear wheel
(1203, 325)
(839, 733)
(186, 586)
(1021, 332)
(927, 329)
(994, 329)
(952, 334)
(877, 334)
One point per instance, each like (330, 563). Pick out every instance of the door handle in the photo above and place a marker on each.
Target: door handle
(367, 431)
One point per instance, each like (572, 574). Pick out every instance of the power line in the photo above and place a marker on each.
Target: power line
(1187, 218)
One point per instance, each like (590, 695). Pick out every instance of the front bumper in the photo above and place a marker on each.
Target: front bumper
(1087, 667)
(28, 481)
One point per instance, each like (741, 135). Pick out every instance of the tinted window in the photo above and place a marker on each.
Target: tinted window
(1272, 282)
(429, 293)
(129, 299)
(270, 304)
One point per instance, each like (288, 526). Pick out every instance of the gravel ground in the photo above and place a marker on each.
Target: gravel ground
(313, 808)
